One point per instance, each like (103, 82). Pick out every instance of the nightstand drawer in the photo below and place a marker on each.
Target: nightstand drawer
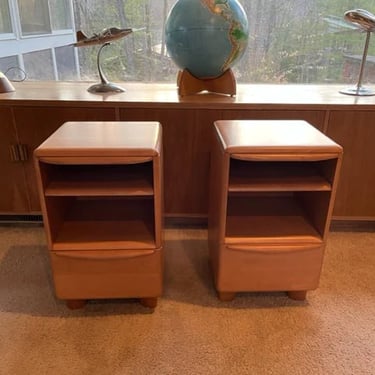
(111, 274)
(269, 268)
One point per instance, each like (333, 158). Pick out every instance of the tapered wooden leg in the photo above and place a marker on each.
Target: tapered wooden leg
(149, 302)
(298, 295)
(226, 296)
(75, 304)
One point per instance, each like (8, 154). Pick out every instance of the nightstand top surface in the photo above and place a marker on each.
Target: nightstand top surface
(103, 138)
(273, 136)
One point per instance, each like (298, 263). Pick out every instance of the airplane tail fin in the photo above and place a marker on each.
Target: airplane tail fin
(80, 36)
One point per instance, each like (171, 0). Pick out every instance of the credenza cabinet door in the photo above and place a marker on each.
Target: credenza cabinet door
(13, 188)
(355, 132)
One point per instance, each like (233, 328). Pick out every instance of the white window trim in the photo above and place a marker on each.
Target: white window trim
(7, 36)
(36, 43)
(16, 44)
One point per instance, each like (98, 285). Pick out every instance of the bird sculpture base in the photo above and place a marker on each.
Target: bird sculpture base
(190, 85)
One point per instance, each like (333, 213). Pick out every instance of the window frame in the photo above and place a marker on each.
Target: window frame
(16, 44)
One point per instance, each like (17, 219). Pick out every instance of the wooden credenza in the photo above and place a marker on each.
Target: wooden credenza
(36, 109)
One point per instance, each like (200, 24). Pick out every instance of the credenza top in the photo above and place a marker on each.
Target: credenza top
(148, 95)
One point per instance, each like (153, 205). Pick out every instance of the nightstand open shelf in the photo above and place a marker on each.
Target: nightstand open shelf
(99, 223)
(246, 176)
(98, 180)
(268, 218)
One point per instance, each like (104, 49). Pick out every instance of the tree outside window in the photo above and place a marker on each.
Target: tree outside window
(291, 41)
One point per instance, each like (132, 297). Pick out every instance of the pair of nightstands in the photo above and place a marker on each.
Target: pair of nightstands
(271, 198)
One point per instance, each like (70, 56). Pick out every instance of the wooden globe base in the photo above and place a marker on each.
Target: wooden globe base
(189, 85)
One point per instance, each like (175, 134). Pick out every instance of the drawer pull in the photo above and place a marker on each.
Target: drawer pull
(103, 255)
(273, 249)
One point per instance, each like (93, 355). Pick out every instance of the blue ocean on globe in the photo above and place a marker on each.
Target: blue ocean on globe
(206, 37)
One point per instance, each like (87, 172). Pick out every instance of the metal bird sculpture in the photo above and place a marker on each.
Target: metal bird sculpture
(365, 21)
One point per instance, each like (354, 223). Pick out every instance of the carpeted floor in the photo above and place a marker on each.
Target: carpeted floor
(190, 331)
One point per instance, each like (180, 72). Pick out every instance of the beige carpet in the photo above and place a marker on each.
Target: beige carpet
(190, 332)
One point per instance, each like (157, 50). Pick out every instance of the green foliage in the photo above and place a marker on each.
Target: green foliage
(290, 41)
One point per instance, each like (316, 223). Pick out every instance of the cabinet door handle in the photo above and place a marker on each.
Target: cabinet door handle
(14, 153)
(18, 152)
(23, 152)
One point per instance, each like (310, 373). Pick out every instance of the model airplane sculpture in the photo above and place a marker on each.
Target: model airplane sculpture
(365, 21)
(361, 18)
(106, 36)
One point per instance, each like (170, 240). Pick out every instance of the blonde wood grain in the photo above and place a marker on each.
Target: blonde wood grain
(102, 138)
(268, 219)
(356, 133)
(93, 277)
(107, 255)
(251, 96)
(269, 216)
(82, 160)
(276, 176)
(40, 107)
(273, 137)
(13, 188)
(99, 179)
(103, 221)
(37, 123)
(224, 84)
(285, 156)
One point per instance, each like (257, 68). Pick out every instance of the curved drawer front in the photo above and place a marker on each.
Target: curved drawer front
(269, 268)
(112, 274)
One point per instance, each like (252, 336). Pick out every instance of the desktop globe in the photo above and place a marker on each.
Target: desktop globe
(206, 37)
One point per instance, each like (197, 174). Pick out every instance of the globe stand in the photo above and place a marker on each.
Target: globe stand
(189, 84)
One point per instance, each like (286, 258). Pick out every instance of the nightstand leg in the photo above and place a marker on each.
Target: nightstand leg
(226, 296)
(75, 304)
(149, 302)
(298, 295)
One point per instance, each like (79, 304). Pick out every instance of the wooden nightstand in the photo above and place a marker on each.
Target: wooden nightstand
(100, 186)
(272, 191)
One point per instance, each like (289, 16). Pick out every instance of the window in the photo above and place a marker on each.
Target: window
(290, 41)
(9, 66)
(65, 63)
(37, 36)
(34, 17)
(39, 65)
(5, 21)
(60, 14)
